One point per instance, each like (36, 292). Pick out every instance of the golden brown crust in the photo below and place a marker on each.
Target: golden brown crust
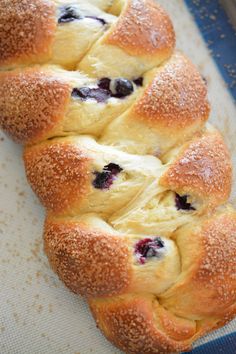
(59, 174)
(89, 261)
(203, 168)
(227, 317)
(26, 31)
(207, 286)
(177, 328)
(143, 29)
(176, 98)
(130, 324)
(32, 103)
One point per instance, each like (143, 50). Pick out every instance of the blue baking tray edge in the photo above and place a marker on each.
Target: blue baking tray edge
(219, 35)
(225, 344)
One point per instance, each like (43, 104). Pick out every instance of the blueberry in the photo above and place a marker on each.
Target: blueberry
(181, 202)
(99, 95)
(148, 248)
(138, 81)
(85, 93)
(104, 83)
(69, 14)
(113, 168)
(122, 88)
(104, 179)
(106, 89)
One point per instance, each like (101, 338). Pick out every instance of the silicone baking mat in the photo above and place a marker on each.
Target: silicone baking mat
(38, 315)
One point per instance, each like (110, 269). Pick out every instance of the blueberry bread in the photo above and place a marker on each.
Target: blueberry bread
(118, 149)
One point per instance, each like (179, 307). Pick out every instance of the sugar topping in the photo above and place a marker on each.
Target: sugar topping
(143, 28)
(26, 31)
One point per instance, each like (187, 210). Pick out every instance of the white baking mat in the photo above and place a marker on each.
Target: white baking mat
(37, 313)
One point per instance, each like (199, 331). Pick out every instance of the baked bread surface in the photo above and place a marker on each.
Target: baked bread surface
(117, 148)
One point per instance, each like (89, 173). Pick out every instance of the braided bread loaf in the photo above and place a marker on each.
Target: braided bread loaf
(117, 149)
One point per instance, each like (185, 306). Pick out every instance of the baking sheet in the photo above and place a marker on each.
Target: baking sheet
(37, 313)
